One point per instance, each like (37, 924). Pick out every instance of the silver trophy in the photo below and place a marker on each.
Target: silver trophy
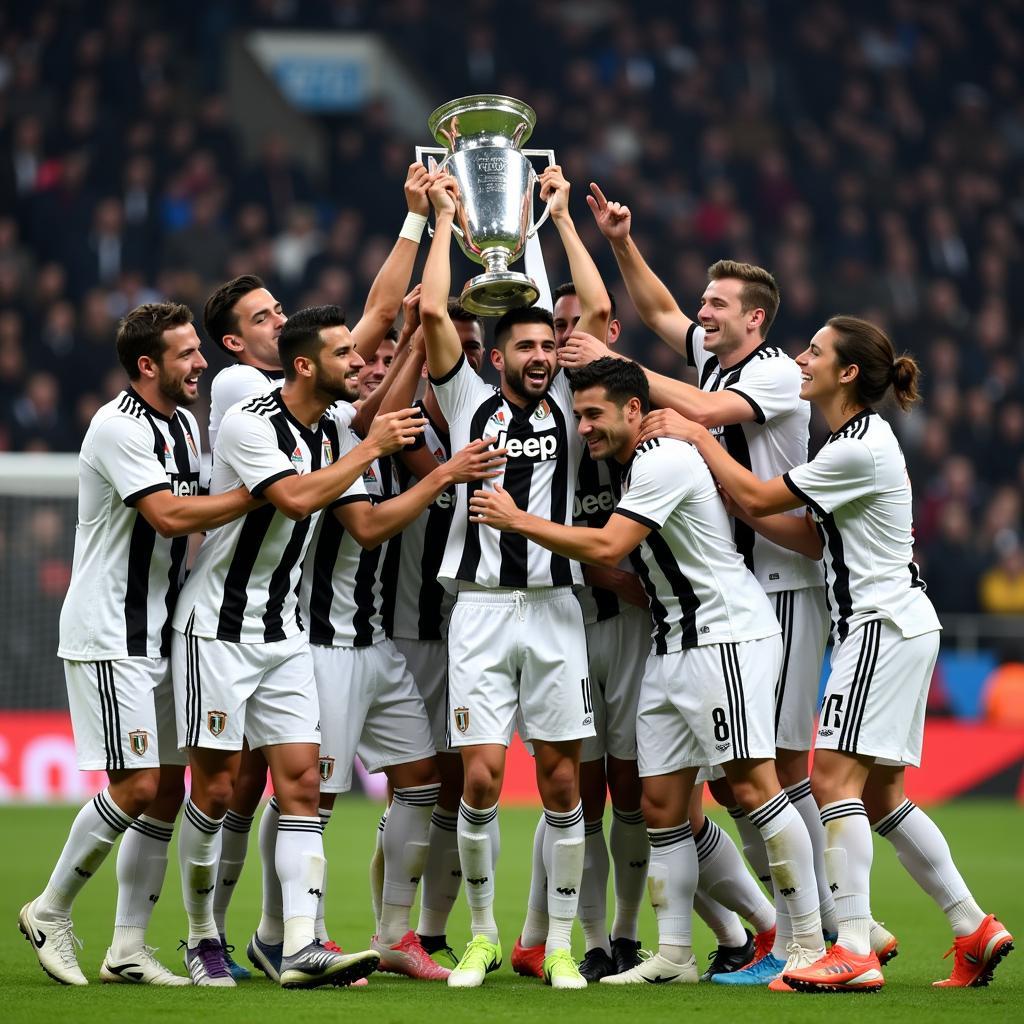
(480, 139)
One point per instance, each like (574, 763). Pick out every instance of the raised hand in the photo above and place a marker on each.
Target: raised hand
(444, 193)
(411, 309)
(581, 349)
(393, 430)
(669, 423)
(613, 219)
(417, 182)
(555, 189)
(493, 508)
(477, 461)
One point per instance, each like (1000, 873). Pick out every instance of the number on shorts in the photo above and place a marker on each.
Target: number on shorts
(721, 725)
(832, 710)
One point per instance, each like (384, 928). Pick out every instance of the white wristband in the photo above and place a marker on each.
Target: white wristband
(413, 227)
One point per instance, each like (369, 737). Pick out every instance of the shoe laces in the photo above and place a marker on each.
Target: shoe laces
(65, 941)
(477, 954)
(795, 953)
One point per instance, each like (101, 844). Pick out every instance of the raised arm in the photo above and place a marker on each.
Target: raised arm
(392, 280)
(653, 301)
(595, 306)
(442, 340)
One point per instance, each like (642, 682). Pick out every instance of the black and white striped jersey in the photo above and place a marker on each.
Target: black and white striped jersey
(598, 485)
(775, 441)
(344, 592)
(235, 384)
(540, 475)
(125, 577)
(422, 605)
(244, 585)
(701, 591)
(859, 493)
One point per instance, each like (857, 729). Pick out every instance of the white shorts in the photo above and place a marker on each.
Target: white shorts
(427, 661)
(122, 713)
(617, 651)
(225, 692)
(803, 616)
(369, 705)
(708, 705)
(517, 649)
(876, 694)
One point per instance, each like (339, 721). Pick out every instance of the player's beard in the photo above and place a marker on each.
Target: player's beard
(173, 389)
(338, 389)
(515, 380)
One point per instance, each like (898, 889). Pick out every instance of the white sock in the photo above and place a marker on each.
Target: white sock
(922, 849)
(535, 927)
(564, 851)
(141, 867)
(377, 872)
(791, 861)
(93, 834)
(631, 850)
(271, 926)
(800, 797)
(405, 843)
(753, 847)
(320, 923)
(199, 854)
(594, 888)
(300, 868)
(234, 844)
(848, 854)
(671, 882)
(442, 876)
(724, 878)
(479, 846)
(725, 923)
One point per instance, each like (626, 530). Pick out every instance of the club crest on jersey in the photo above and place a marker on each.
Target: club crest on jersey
(543, 410)
(327, 456)
(138, 740)
(216, 721)
(461, 719)
(498, 417)
(168, 457)
(439, 454)
(326, 768)
(369, 476)
(297, 455)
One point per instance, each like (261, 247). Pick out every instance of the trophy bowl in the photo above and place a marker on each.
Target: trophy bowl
(481, 139)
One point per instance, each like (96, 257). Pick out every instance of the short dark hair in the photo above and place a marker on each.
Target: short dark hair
(759, 291)
(300, 335)
(141, 332)
(391, 334)
(521, 315)
(622, 379)
(219, 316)
(457, 311)
(568, 288)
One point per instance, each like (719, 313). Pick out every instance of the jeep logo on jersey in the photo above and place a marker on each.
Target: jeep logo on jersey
(181, 487)
(588, 504)
(216, 721)
(139, 741)
(445, 500)
(326, 768)
(534, 448)
(461, 719)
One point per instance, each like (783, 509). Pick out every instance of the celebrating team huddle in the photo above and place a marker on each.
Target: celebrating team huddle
(636, 574)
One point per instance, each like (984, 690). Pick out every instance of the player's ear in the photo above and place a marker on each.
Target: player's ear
(497, 359)
(231, 343)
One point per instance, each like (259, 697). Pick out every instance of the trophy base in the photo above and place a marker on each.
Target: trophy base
(496, 293)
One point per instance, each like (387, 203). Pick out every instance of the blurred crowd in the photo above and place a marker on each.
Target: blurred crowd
(870, 155)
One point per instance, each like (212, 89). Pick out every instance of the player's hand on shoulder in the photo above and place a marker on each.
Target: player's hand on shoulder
(669, 423)
(479, 460)
(493, 508)
(581, 349)
(393, 430)
(613, 219)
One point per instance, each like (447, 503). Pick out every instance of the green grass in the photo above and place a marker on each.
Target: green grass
(986, 837)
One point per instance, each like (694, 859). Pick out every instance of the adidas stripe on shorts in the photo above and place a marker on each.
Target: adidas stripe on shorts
(876, 693)
(122, 713)
(708, 705)
(369, 705)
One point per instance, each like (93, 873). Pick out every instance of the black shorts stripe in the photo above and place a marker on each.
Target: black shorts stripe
(737, 702)
(866, 661)
(784, 612)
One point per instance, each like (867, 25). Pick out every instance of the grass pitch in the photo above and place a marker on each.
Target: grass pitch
(986, 838)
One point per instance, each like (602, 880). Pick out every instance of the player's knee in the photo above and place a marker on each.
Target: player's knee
(559, 786)
(483, 783)
(248, 790)
(825, 789)
(134, 792)
(414, 774)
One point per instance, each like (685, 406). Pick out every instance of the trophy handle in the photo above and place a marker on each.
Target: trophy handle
(550, 154)
(434, 151)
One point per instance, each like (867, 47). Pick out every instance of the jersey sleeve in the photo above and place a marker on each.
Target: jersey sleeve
(124, 452)
(696, 355)
(343, 413)
(231, 386)
(841, 472)
(771, 386)
(249, 445)
(460, 390)
(657, 483)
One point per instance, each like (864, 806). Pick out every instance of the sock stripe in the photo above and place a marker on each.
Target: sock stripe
(418, 796)
(444, 821)
(383, 821)
(273, 805)
(842, 809)
(850, 732)
(110, 812)
(707, 839)
(894, 819)
(477, 817)
(149, 828)
(661, 837)
(593, 828)
(736, 813)
(628, 817)
(299, 823)
(237, 823)
(201, 821)
(799, 790)
(769, 811)
(564, 819)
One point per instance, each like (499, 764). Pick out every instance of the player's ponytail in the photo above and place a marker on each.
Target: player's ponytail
(860, 343)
